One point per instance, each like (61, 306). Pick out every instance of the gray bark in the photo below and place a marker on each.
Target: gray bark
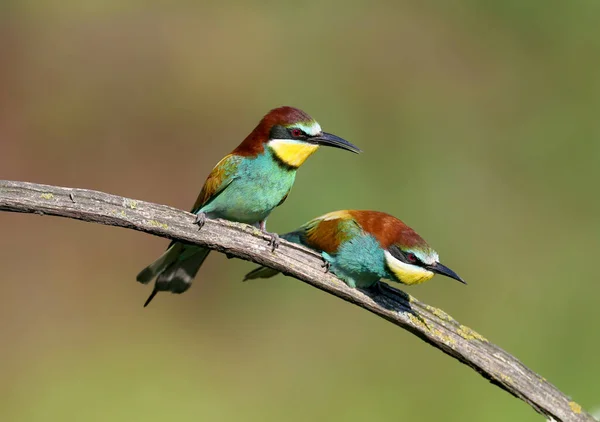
(433, 325)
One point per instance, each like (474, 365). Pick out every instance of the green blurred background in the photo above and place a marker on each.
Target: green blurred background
(479, 125)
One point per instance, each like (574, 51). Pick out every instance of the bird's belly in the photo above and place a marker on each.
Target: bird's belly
(250, 199)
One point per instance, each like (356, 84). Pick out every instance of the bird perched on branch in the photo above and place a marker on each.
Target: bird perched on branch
(362, 247)
(245, 186)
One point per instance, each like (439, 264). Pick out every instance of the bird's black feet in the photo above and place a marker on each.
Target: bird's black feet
(200, 220)
(273, 237)
(326, 264)
(274, 240)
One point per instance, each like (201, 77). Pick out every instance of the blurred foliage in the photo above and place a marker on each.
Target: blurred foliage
(479, 124)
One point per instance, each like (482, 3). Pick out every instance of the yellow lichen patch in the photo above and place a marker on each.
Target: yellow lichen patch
(505, 378)
(47, 196)
(130, 203)
(440, 335)
(468, 334)
(418, 321)
(443, 337)
(575, 407)
(158, 224)
(439, 313)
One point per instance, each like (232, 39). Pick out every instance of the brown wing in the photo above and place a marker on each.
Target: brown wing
(326, 233)
(219, 178)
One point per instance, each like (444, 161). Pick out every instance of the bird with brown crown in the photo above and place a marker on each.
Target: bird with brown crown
(245, 186)
(362, 247)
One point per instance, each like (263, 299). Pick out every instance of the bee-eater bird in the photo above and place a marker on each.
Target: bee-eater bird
(245, 186)
(362, 247)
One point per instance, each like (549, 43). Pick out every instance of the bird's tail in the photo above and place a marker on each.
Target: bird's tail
(266, 272)
(147, 274)
(175, 269)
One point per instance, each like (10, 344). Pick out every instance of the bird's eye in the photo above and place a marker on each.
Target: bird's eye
(296, 133)
(411, 257)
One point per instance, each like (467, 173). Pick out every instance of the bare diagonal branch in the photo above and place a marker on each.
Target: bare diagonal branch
(242, 241)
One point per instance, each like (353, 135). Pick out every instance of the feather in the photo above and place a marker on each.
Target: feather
(219, 178)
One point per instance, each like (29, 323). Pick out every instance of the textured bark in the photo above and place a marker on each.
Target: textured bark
(242, 241)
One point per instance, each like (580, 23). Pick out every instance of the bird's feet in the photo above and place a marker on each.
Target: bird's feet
(327, 260)
(326, 264)
(200, 220)
(273, 237)
(274, 240)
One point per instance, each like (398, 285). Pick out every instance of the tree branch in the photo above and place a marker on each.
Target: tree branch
(242, 241)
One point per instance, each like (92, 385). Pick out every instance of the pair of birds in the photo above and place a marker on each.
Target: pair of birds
(359, 247)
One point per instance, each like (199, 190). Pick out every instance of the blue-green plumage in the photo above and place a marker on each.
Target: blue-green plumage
(257, 186)
(247, 190)
(245, 186)
(360, 261)
(357, 257)
(362, 247)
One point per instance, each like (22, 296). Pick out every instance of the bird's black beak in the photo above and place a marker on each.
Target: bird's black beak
(330, 140)
(443, 270)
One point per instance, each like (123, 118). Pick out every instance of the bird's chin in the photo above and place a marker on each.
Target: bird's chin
(416, 277)
(407, 273)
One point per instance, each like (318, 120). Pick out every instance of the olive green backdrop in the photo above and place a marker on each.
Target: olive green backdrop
(479, 125)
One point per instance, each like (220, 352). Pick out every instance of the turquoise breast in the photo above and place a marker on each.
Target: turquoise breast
(360, 261)
(260, 185)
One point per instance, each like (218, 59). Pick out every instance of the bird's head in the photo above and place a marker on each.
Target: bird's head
(292, 136)
(414, 265)
(409, 259)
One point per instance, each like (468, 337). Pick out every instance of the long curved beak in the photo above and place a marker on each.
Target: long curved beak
(443, 270)
(330, 140)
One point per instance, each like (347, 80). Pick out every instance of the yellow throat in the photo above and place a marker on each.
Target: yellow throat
(293, 153)
(407, 273)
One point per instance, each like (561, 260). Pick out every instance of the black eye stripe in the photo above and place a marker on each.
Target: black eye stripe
(281, 132)
(397, 253)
